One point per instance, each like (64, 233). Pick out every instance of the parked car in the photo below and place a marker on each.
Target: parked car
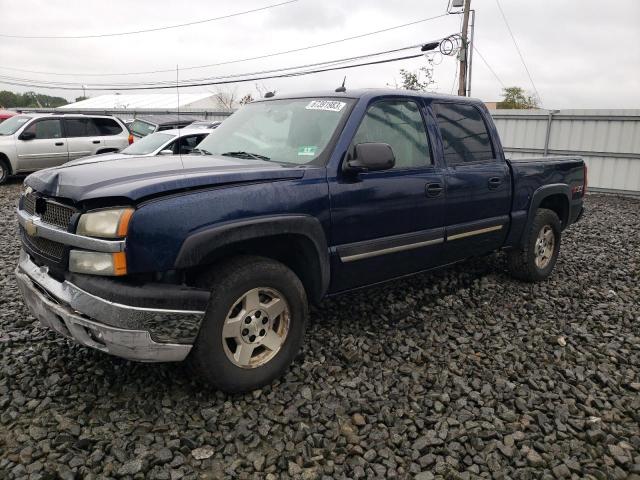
(206, 124)
(30, 142)
(213, 257)
(167, 142)
(147, 124)
(4, 114)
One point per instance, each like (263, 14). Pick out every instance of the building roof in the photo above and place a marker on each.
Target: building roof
(146, 100)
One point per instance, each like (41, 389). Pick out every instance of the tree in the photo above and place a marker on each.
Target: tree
(227, 99)
(517, 98)
(420, 80)
(30, 100)
(248, 98)
(81, 98)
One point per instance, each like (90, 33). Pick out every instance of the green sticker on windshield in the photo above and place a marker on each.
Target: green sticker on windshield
(307, 151)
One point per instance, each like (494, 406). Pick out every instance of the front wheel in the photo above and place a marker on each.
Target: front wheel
(535, 261)
(4, 172)
(253, 327)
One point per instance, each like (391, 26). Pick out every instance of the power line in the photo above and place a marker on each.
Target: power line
(489, 66)
(228, 62)
(224, 82)
(155, 29)
(518, 49)
(74, 85)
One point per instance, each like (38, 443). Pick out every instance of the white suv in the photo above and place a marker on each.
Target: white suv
(30, 142)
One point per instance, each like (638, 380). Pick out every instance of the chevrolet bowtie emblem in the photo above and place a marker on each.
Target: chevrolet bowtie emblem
(30, 228)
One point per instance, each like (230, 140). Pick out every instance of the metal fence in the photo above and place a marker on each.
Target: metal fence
(126, 114)
(608, 140)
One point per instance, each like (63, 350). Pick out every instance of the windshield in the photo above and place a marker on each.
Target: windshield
(148, 144)
(142, 129)
(288, 131)
(11, 125)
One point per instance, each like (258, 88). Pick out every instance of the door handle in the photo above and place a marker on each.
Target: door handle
(96, 141)
(433, 189)
(494, 182)
(59, 144)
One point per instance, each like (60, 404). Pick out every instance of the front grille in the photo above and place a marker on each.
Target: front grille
(29, 203)
(55, 213)
(43, 246)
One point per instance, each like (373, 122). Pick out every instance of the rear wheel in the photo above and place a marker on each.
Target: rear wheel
(253, 327)
(535, 261)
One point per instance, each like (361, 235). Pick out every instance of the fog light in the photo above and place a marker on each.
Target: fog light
(97, 263)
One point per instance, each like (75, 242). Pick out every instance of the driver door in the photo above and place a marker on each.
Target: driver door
(48, 147)
(388, 223)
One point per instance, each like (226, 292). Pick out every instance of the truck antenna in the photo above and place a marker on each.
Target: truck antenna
(342, 88)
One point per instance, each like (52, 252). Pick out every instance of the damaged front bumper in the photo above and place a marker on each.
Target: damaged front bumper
(134, 333)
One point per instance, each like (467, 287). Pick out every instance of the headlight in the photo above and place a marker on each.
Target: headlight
(27, 190)
(97, 263)
(111, 223)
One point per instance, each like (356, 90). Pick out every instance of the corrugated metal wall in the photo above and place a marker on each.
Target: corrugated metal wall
(608, 140)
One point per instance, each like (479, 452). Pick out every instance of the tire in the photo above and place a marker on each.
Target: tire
(532, 262)
(4, 171)
(233, 356)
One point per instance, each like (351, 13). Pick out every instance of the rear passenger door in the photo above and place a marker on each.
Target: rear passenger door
(112, 134)
(477, 180)
(83, 137)
(47, 148)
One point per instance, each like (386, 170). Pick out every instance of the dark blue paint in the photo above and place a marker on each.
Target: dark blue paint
(179, 196)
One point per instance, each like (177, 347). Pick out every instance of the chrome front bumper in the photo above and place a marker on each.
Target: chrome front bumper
(89, 320)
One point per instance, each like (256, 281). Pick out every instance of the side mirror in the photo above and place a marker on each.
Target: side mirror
(371, 157)
(166, 152)
(27, 136)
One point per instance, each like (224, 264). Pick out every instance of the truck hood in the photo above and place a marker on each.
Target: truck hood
(136, 178)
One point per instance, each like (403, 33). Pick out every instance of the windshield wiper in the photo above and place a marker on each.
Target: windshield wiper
(242, 154)
(202, 151)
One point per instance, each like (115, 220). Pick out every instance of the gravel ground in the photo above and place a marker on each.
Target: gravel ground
(462, 374)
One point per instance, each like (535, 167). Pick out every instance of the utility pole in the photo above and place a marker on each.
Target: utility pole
(464, 51)
(470, 70)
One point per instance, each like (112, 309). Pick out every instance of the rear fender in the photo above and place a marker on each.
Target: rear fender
(538, 197)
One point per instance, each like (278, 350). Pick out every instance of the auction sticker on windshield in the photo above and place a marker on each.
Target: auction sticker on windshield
(327, 105)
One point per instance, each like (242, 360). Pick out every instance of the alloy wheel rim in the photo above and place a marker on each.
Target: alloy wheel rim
(544, 246)
(256, 327)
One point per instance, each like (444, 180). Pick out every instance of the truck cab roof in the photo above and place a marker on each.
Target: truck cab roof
(371, 93)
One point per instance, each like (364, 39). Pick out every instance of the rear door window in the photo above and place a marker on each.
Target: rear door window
(464, 134)
(107, 126)
(80, 127)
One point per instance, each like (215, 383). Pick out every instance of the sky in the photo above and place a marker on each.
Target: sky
(580, 53)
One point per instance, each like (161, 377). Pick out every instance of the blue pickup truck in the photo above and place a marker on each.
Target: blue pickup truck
(213, 257)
